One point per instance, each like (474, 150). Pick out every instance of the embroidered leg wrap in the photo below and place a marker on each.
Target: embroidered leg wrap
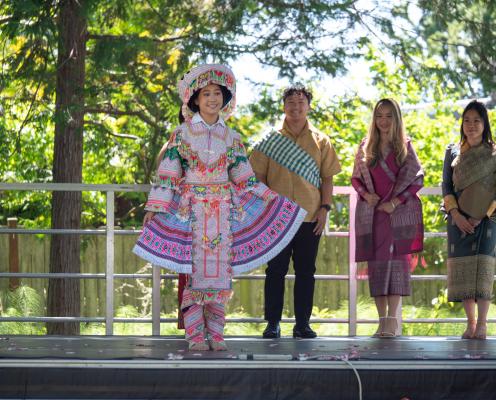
(215, 320)
(194, 324)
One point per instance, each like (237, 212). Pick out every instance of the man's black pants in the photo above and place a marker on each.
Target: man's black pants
(303, 250)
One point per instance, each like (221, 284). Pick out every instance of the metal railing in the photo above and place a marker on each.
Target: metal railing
(156, 276)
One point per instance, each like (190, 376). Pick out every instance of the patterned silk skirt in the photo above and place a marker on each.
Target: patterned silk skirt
(471, 261)
(389, 273)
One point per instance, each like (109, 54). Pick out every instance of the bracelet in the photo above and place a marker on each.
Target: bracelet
(453, 209)
(392, 203)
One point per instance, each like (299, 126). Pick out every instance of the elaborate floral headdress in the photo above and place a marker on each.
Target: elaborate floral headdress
(202, 76)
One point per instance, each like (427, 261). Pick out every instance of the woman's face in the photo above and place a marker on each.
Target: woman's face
(384, 118)
(473, 126)
(210, 100)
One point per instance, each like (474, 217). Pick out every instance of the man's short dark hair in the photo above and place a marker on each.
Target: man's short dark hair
(297, 89)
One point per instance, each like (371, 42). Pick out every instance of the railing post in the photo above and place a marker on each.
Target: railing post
(156, 301)
(109, 271)
(13, 253)
(399, 317)
(352, 276)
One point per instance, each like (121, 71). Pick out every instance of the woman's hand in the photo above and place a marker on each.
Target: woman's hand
(461, 222)
(371, 198)
(386, 207)
(474, 222)
(389, 206)
(148, 217)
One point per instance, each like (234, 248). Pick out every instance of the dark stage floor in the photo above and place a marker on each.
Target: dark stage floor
(23, 349)
(83, 367)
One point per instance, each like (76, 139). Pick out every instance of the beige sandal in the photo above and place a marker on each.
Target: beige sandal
(470, 331)
(390, 327)
(480, 331)
(380, 328)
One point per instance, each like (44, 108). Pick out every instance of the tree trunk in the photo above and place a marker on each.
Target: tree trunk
(64, 294)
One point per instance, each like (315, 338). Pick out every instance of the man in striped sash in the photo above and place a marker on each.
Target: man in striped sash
(298, 162)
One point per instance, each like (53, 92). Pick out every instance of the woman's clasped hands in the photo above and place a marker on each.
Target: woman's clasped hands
(373, 200)
(466, 225)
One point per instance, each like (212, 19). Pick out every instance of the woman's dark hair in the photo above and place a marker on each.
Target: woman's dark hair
(481, 109)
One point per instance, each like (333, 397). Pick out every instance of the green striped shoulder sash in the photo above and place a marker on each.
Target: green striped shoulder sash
(291, 156)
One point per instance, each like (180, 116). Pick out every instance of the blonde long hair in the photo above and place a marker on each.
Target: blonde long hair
(397, 132)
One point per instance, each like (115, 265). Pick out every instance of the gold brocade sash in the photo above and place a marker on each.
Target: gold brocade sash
(474, 174)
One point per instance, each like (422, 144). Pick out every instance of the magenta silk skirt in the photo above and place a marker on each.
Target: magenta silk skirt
(389, 273)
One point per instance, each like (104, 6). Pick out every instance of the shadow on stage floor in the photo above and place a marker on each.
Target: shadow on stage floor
(90, 367)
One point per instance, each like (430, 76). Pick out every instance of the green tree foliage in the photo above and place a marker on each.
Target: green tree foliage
(136, 51)
(455, 40)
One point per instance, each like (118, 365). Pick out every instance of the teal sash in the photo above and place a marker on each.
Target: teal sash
(291, 156)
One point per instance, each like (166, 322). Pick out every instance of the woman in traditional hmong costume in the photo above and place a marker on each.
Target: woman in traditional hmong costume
(387, 175)
(469, 190)
(208, 217)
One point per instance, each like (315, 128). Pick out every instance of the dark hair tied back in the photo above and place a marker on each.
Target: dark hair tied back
(481, 109)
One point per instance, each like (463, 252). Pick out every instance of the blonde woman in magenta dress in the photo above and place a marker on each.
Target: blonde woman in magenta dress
(387, 175)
